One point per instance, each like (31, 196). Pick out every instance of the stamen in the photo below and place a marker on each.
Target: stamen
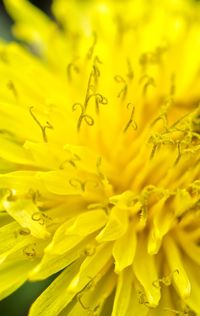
(149, 82)
(195, 186)
(96, 70)
(72, 67)
(30, 251)
(100, 99)
(130, 74)
(72, 161)
(159, 139)
(166, 280)
(77, 184)
(196, 121)
(89, 286)
(90, 92)
(91, 49)
(89, 251)
(154, 57)
(124, 90)
(24, 231)
(43, 128)
(163, 114)
(131, 121)
(161, 117)
(79, 298)
(37, 217)
(34, 195)
(142, 299)
(185, 312)
(81, 185)
(179, 152)
(83, 116)
(10, 195)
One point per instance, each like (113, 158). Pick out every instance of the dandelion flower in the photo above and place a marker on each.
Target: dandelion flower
(99, 159)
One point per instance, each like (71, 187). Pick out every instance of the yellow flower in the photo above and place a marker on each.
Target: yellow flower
(100, 157)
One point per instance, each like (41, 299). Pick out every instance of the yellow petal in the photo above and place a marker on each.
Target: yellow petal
(116, 226)
(135, 308)
(13, 237)
(176, 263)
(52, 263)
(61, 183)
(7, 236)
(87, 222)
(28, 216)
(74, 231)
(14, 152)
(122, 254)
(190, 248)
(123, 293)
(53, 300)
(92, 265)
(92, 298)
(69, 283)
(193, 272)
(146, 273)
(13, 273)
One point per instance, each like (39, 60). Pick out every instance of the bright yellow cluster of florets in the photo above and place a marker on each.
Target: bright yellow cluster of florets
(100, 157)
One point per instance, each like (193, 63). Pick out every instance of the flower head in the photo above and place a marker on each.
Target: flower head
(99, 160)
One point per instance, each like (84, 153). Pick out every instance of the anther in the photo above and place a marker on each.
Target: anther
(91, 49)
(153, 151)
(24, 231)
(123, 92)
(149, 81)
(131, 121)
(38, 217)
(43, 128)
(72, 67)
(142, 299)
(100, 99)
(30, 251)
(72, 160)
(11, 195)
(95, 73)
(77, 184)
(83, 116)
(196, 122)
(166, 280)
(178, 144)
(89, 251)
(162, 117)
(176, 312)
(34, 195)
